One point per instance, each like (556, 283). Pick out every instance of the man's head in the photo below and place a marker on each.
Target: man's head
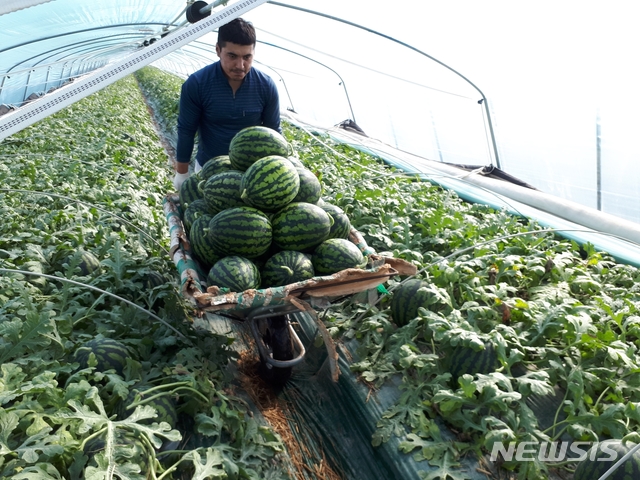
(237, 31)
(235, 47)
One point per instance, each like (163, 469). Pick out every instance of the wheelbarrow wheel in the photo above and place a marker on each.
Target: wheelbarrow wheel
(277, 339)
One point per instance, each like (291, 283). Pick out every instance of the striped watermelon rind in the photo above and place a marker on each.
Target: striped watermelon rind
(253, 143)
(300, 226)
(243, 231)
(270, 183)
(296, 161)
(341, 223)
(235, 273)
(222, 190)
(195, 209)
(199, 239)
(409, 297)
(109, 354)
(189, 191)
(310, 188)
(466, 360)
(337, 254)
(163, 404)
(596, 464)
(286, 267)
(215, 165)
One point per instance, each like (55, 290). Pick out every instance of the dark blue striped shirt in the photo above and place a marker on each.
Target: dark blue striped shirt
(209, 107)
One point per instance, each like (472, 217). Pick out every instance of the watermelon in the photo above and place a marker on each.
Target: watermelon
(466, 360)
(109, 354)
(341, 225)
(83, 261)
(222, 190)
(163, 404)
(199, 238)
(310, 187)
(235, 273)
(602, 457)
(128, 446)
(270, 183)
(296, 162)
(153, 279)
(242, 231)
(189, 190)
(253, 143)
(194, 210)
(407, 298)
(215, 165)
(336, 254)
(300, 226)
(285, 267)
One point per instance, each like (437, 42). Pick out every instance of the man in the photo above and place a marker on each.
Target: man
(223, 98)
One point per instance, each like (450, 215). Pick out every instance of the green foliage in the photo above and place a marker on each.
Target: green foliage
(562, 319)
(92, 178)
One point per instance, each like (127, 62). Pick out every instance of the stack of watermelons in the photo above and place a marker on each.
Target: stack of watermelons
(255, 217)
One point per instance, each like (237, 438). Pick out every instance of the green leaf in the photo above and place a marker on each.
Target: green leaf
(210, 467)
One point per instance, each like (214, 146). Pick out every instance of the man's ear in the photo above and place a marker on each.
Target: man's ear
(218, 50)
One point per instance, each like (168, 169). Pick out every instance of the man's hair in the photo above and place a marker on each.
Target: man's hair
(237, 31)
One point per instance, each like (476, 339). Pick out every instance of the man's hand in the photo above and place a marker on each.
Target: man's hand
(179, 179)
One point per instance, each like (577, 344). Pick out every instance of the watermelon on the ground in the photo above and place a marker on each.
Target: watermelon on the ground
(410, 296)
(603, 456)
(285, 267)
(222, 190)
(127, 443)
(300, 226)
(270, 183)
(215, 165)
(310, 187)
(336, 254)
(243, 231)
(189, 191)
(199, 240)
(253, 143)
(466, 360)
(163, 404)
(110, 354)
(235, 273)
(341, 224)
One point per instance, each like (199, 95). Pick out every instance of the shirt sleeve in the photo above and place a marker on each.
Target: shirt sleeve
(188, 120)
(271, 113)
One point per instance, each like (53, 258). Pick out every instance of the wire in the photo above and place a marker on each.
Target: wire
(91, 287)
(90, 205)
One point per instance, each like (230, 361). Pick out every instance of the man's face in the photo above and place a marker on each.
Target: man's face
(235, 60)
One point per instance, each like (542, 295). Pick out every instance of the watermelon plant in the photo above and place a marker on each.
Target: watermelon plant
(92, 178)
(562, 318)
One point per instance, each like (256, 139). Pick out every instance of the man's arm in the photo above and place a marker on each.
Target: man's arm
(271, 112)
(188, 120)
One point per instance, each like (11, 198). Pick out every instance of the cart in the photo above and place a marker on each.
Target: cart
(268, 311)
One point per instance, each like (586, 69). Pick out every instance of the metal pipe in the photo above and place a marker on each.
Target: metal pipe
(483, 101)
(342, 82)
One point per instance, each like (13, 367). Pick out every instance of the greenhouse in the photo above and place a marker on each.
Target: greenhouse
(432, 272)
